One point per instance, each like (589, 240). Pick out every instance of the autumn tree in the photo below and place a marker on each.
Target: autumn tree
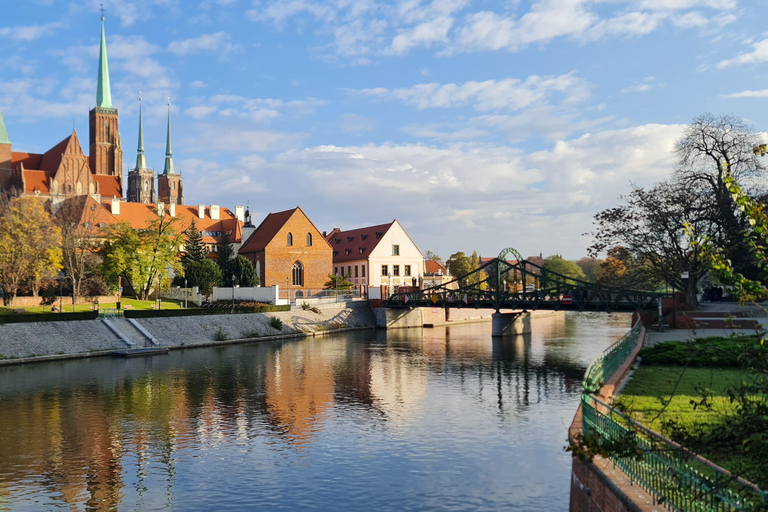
(77, 220)
(459, 265)
(648, 225)
(431, 256)
(590, 267)
(144, 258)
(29, 245)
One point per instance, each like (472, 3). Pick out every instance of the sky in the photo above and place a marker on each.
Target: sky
(479, 125)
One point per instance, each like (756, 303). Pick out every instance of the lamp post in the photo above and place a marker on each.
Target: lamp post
(389, 283)
(233, 293)
(186, 294)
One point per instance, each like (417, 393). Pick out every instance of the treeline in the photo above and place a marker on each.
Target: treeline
(42, 251)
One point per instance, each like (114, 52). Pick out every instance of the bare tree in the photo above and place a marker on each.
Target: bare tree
(77, 219)
(710, 148)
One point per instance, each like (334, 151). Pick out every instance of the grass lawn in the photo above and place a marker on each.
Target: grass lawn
(651, 387)
(133, 303)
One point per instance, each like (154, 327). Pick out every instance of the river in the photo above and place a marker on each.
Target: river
(434, 419)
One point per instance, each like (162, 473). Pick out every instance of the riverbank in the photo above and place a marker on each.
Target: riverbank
(45, 341)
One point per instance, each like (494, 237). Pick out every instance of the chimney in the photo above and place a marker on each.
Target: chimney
(161, 209)
(201, 211)
(172, 209)
(240, 213)
(214, 212)
(325, 234)
(115, 206)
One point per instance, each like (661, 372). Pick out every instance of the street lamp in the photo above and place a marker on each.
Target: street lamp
(389, 283)
(186, 294)
(233, 293)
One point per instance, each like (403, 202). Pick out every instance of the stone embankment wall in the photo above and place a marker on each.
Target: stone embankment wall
(51, 340)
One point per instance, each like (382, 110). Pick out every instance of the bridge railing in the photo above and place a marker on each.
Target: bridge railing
(676, 478)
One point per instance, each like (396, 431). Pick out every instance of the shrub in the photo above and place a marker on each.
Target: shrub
(220, 335)
(276, 323)
(250, 334)
(701, 352)
(306, 307)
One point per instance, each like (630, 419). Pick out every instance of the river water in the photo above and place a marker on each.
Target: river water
(432, 419)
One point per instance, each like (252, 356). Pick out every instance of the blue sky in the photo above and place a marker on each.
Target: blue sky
(477, 124)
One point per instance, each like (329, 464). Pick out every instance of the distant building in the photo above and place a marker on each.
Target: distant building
(288, 250)
(435, 274)
(377, 255)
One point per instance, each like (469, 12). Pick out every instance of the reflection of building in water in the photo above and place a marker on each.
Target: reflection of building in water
(398, 383)
(300, 387)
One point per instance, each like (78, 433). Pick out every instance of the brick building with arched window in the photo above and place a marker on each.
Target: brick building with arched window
(288, 250)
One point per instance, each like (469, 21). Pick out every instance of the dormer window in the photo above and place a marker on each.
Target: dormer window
(350, 238)
(338, 241)
(363, 237)
(335, 253)
(362, 249)
(378, 234)
(347, 251)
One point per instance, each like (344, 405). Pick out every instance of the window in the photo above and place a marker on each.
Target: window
(395, 250)
(298, 274)
(350, 238)
(349, 270)
(362, 249)
(290, 239)
(407, 270)
(395, 270)
(145, 186)
(335, 271)
(309, 239)
(384, 270)
(363, 269)
(356, 271)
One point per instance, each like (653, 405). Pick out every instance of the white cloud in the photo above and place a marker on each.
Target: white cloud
(758, 54)
(353, 123)
(424, 34)
(749, 94)
(200, 111)
(205, 42)
(30, 32)
(489, 95)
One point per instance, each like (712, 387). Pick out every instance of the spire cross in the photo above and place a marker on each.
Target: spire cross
(102, 11)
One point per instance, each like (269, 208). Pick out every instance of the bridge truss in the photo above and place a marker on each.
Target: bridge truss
(500, 284)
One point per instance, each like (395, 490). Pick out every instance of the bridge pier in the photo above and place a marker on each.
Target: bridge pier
(505, 324)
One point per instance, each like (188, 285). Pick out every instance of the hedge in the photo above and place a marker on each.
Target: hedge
(166, 313)
(18, 318)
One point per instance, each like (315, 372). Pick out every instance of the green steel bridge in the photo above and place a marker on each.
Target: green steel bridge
(501, 284)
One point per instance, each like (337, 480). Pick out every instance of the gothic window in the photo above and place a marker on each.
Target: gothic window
(107, 130)
(173, 185)
(309, 239)
(145, 186)
(297, 273)
(290, 239)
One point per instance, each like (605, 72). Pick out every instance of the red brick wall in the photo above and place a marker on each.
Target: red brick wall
(279, 257)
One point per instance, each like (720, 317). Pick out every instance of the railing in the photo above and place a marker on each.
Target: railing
(110, 313)
(676, 478)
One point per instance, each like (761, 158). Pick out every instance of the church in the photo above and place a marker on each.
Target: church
(65, 171)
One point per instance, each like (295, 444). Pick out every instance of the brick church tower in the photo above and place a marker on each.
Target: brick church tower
(169, 188)
(106, 153)
(141, 181)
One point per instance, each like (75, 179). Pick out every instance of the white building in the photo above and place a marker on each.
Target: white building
(377, 255)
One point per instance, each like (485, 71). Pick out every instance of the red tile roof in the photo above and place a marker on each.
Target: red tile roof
(52, 158)
(266, 231)
(108, 186)
(432, 267)
(37, 181)
(29, 160)
(356, 244)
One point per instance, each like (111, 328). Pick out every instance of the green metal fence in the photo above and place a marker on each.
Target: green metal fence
(676, 478)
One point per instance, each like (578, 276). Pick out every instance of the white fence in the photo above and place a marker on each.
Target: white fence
(266, 294)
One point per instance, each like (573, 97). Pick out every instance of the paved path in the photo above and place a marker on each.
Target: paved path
(751, 312)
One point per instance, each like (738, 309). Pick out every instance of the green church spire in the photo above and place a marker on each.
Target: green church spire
(168, 152)
(141, 162)
(103, 92)
(3, 131)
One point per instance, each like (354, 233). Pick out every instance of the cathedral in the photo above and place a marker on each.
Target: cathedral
(65, 171)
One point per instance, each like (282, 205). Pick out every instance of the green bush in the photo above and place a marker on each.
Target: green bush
(48, 317)
(220, 335)
(700, 352)
(276, 323)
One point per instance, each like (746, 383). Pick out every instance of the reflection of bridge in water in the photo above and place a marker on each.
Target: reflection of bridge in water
(522, 285)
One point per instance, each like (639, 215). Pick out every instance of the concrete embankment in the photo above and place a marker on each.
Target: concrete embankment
(41, 341)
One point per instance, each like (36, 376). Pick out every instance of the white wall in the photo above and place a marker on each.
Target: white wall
(266, 294)
(382, 255)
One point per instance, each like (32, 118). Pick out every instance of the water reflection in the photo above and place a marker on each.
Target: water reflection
(433, 418)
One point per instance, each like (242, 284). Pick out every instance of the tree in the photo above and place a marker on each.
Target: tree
(76, 219)
(29, 246)
(711, 148)
(563, 267)
(204, 274)
(590, 267)
(431, 256)
(226, 251)
(459, 265)
(144, 258)
(245, 274)
(340, 282)
(194, 247)
(648, 225)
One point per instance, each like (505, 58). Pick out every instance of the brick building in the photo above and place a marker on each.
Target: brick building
(288, 250)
